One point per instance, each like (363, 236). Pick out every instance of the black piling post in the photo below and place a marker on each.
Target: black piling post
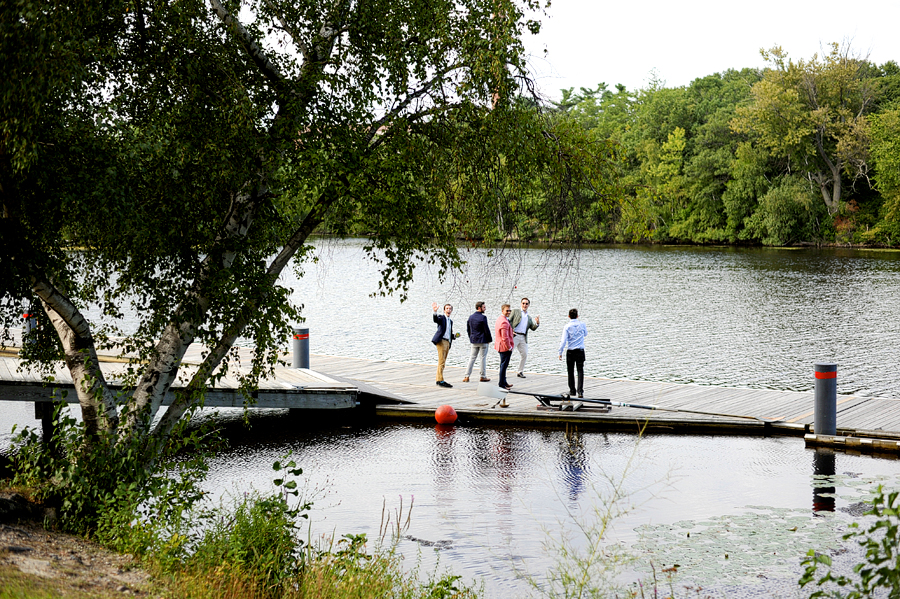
(825, 419)
(301, 348)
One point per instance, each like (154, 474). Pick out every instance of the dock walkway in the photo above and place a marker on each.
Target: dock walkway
(293, 388)
(775, 412)
(408, 391)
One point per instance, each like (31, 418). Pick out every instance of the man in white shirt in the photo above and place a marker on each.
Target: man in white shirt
(573, 343)
(522, 323)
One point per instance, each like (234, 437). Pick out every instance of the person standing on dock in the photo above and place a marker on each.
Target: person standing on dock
(480, 337)
(573, 338)
(521, 323)
(504, 342)
(443, 339)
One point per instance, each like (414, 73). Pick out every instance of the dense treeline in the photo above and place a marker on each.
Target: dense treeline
(800, 152)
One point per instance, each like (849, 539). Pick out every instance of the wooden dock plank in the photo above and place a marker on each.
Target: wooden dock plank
(287, 389)
(414, 381)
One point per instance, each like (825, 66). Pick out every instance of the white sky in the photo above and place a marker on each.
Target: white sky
(589, 41)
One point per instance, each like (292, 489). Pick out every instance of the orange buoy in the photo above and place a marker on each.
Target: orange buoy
(445, 415)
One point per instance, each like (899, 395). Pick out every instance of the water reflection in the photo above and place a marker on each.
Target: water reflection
(573, 463)
(823, 473)
(492, 495)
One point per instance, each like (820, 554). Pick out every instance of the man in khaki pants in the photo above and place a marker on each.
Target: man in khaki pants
(443, 339)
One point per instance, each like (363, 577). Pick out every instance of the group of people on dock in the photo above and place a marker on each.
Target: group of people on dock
(510, 333)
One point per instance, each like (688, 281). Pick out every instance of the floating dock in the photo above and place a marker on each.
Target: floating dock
(400, 390)
(293, 388)
(409, 392)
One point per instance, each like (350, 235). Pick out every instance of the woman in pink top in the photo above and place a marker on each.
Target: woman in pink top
(504, 342)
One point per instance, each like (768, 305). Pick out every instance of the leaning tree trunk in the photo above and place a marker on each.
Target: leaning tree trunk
(98, 406)
(830, 181)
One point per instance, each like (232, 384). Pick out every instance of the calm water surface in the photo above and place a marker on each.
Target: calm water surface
(498, 500)
(756, 318)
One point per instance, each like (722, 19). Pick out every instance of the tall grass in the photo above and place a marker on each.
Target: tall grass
(252, 548)
(585, 564)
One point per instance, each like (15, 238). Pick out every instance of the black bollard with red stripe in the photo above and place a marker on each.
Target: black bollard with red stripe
(301, 348)
(825, 419)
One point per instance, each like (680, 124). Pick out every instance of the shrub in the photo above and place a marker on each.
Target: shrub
(109, 489)
(881, 568)
(788, 212)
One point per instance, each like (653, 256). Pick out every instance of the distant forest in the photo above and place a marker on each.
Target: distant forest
(800, 152)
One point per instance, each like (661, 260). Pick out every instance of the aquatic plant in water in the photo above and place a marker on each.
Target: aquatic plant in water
(759, 544)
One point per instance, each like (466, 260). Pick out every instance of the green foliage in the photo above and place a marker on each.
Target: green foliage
(350, 571)
(182, 146)
(880, 572)
(888, 84)
(885, 150)
(787, 213)
(600, 110)
(257, 538)
(698, 162)
(106, 490)
(813, 113)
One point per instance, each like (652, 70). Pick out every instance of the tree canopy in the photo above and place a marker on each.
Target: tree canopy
(175, 158)
(814, 114)
(799, 152)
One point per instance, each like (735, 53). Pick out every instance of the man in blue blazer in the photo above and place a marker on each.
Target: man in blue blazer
(480, 337)
(443, 339)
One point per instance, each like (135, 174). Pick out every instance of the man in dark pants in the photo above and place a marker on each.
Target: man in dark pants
(573, 342)
(504, 342)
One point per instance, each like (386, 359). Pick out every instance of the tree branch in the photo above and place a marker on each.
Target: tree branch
(193, 392)
(163, 366)
(304, 51)
(259, 58)
(395, 112)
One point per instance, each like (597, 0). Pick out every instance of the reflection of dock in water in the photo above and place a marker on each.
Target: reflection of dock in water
(876, 420)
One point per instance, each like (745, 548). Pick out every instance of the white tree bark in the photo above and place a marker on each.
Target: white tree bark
(162, 369)
(98, 406)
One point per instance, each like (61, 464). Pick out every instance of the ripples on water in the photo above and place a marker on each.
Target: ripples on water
(496, 497)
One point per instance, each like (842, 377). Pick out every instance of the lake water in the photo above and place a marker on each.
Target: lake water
(494, 501)
(494, 504)
(756, 318)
